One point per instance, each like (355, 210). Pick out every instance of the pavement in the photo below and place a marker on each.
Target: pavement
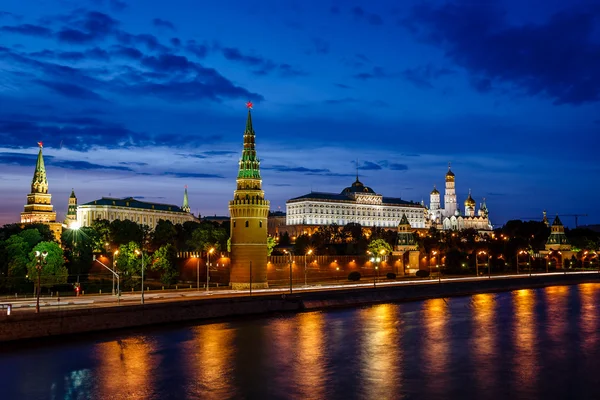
(27, 304)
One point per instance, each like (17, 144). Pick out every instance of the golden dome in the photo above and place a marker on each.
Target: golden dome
(469, 202)
(435, 191)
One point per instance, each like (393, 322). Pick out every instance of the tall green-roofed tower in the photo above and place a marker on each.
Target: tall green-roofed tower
(249, 211)
(186, 205)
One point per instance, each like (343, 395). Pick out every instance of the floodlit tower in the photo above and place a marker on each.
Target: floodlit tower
(249, 211)
(186, 205)
(450, 194)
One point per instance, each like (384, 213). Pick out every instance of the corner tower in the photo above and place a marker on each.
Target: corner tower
(249, 211)
(39, 207)
(71, 219)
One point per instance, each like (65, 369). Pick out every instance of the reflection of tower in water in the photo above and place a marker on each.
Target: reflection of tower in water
(526, 366)
(485, 355)
(437, 350)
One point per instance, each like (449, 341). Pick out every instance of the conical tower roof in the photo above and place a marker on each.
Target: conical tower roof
(249, 163)
(557, 222)
(186, 206)
(39, 183)
(404, 220)
(73, 194)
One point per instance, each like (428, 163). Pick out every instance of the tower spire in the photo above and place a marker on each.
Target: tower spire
(249, 170)
(357, 170)
(39, 183)
(186, 206)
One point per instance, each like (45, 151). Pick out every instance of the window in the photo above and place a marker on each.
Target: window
(247, 224)
(234, 224)
(260, 224)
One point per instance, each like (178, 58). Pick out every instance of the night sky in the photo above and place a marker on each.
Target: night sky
(139, 98)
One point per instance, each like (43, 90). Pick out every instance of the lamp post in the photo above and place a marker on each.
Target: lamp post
(309, 252)
(289, 253)
(518, 253)
(115, 254)
(210, 251)
(433, 253)
(488, 263)
(40, 261)
(142, 254)
(197, 272)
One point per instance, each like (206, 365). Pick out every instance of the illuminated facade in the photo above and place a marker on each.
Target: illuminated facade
(357, 204)
(131, 209)
(39, 207)
(449, 217)
(249, 211)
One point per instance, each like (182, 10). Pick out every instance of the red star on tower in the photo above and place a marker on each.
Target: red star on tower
(41, 144)
(249, 105)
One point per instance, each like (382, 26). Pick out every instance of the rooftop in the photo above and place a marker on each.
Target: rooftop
(133, 203)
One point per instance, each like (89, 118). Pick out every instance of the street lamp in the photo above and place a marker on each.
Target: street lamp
(75, 228)
(40, 261)
(289, 253)
(197, 272)
(488, 263)
(518, 253)
(210, 251)
(115, 254)
(142, 253)
(309, 252)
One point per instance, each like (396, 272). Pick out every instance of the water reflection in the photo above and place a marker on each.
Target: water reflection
(436, 346)
(210, 362)
(525, 341)
(588, 318)
(309, 364)
(484, 342)
(380, 353)
(125, 366)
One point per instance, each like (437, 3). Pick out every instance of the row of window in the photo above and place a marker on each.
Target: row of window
(341, 222)
(247, 224)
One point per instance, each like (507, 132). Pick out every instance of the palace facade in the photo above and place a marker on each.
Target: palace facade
(357, 204)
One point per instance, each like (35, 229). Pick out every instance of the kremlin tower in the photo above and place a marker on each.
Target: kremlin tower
(39, 207)
(450, 194)
(249, 211)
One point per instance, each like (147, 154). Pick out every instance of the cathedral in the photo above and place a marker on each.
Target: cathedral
(450, 217)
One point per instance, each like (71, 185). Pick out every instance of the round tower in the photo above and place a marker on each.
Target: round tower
(450, 194)
(249, 211)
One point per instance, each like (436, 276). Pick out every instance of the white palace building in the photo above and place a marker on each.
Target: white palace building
(355, 204)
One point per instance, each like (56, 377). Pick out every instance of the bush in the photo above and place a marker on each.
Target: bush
(354, 276)
(422, 273)
(391, 275)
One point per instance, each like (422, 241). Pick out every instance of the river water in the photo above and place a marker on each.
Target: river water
(526, 344)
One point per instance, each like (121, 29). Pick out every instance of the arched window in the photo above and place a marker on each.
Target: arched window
(260, 224)
(247, 224)
(234, 224)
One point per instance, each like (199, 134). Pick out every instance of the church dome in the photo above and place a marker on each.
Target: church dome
(469, 202)
(435, 191)
(357, 187)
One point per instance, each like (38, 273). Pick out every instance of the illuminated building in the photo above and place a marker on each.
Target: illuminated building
(357, 204)
(249, 211)
(39, 207)
(450, 217)
(71, 219)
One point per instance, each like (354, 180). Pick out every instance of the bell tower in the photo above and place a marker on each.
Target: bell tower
(249, 211)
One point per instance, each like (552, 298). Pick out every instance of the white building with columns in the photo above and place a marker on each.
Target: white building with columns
(355, 204)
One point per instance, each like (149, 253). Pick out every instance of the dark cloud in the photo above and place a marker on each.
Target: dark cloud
(138, 164)
(234, 54)
(73, 56)
(331, 174)
(376, 73)
(342, 86)
(362, 57)
(371, 18)
(264, 65)
(175, 42)
(161, 23)
(199, 50)
(201, 156)
(21, 159)
(70, 90)
(280, 184)
(369, 166)
(287, 71)
(28, 30)
(284, 168)
(398, 167)
(118, 5)
(219, 152)
(83, 165)
(424, 75)
(557, 59)
(192, 175)
(126, 52)
(87, 27)
(411, 155)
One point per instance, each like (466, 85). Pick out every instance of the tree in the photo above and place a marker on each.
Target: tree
(165, 261)
(78, 246)
(164, 233)
(123, 232)
(271, 243)
(17, 249)
(207, 236)
(102, 235)
(129, 263)
(380, 247)
(54, 271)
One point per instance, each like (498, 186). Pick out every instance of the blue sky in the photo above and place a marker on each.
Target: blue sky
(139, 98)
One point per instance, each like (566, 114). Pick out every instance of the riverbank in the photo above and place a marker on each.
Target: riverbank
(68, 322)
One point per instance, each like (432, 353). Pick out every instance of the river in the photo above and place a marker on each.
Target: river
(525, 344)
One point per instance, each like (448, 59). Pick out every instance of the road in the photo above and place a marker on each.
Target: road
(21, 305)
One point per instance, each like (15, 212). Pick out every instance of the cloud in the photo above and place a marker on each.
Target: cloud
(192, 175)
(201, 156)
(91, 26)
(234, 54)
(264, 65)
(161, 23)
(528, 57)
(376, 73)
(398, 167)
(342, 86)
(370, 166)
(21, 159)
(70, 90)
(126, 52)
(219, 152)
(199, 50)
(423, 75)
(280, 184)
(28, 30)
(330, 174)
(283, 168)
(83, 165)
(138, 164)
(371, 18)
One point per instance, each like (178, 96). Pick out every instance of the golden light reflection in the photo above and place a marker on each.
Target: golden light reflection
(381, 357)
(212, 361)
(485, 336)
(588, 317)
(125, 366)
(436, 349)
(310, 361)
(525, 339)
(557, 298)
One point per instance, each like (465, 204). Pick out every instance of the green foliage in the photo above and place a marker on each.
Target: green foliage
(129, 263)
(125, 231)
(354, 276)
(164, 233)
(165, 261)
(284, 240)
(422, 273)
(78, 246)
(102, 234)
(17, 249)
(379, 247)
(53, 268)
(271, 243)
(208, 236)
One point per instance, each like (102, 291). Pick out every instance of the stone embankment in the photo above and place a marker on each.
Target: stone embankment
(19, 326)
